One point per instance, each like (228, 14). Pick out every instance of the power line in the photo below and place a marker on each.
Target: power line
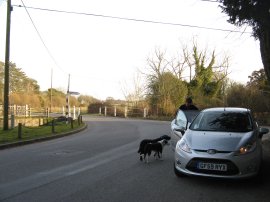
(212, 1)
(40, 37)
(134, 19)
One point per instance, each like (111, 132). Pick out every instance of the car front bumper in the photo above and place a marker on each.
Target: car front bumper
(243, 166)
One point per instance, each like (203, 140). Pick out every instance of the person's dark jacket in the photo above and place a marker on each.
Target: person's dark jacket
(189, 107)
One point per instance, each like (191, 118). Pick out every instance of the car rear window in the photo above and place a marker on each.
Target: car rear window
(222, 121)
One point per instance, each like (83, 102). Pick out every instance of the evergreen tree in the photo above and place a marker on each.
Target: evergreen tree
(255, 13)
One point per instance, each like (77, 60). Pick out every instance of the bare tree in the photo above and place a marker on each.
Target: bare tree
(135, 93)
(222, 69)
(179, 65)
(158, 63)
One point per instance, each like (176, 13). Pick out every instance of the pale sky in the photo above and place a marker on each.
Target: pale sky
(103, 54)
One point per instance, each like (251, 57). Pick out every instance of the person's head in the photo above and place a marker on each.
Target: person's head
(188, 101)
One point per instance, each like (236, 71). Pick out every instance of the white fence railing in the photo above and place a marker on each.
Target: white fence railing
(117, 111)
(26, 111)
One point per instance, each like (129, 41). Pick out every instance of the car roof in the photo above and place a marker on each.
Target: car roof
(226, 109)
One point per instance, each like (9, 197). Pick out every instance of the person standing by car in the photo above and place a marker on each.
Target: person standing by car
(188, 105)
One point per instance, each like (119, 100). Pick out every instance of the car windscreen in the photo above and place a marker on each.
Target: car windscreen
(222, 121)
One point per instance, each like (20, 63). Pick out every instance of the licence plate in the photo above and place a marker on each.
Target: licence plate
(212, 166)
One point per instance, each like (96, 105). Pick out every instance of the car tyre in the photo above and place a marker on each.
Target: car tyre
(177, 173)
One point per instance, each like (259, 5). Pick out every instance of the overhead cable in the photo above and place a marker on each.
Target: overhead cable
(212, 1)
(134, 19)
(41, 39)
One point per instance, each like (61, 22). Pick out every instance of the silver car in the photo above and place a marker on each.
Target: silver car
(219, 142)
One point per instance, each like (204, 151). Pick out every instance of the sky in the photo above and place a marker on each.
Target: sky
(102, 55)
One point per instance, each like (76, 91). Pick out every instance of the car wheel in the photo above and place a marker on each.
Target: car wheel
(177, 173)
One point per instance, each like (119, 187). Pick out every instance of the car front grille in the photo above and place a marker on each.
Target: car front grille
(205, 151)
(231, 167)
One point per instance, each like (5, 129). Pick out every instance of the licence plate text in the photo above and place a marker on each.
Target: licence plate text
(212, 166)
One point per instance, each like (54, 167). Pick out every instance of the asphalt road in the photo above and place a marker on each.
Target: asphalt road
(101, 164)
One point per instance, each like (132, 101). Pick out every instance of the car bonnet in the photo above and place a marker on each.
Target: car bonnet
(220, 141)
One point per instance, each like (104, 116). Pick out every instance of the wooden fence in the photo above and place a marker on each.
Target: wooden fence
(263, 118)
(33, 117)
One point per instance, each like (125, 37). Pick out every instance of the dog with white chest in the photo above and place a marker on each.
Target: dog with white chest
(156, 147)
(144, 142)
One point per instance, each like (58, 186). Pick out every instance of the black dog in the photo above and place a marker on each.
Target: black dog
(156, 147)
(144, 142)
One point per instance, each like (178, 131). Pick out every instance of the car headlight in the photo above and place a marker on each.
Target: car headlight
(183, 146)
(249, 147)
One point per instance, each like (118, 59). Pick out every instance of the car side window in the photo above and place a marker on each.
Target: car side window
(181, 119)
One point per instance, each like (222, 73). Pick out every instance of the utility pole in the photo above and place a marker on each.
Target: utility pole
(67, 99)
(6, 85)
(51, 91)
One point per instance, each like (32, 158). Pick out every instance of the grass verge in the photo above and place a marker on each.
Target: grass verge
(31, 133)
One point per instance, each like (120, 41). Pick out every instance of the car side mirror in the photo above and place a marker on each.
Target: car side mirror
(263, 131)
(181, 130)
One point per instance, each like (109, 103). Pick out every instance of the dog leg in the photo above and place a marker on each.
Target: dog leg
(144, 158)
(158, 154)
(155, 155)
(161, 157)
